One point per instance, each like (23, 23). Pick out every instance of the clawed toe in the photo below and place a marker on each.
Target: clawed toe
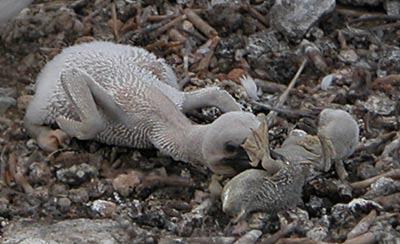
(52, 140)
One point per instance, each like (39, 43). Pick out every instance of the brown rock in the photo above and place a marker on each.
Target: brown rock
(125, 184)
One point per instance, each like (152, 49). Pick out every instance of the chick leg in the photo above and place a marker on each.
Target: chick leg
(75, 84)
(209, 97)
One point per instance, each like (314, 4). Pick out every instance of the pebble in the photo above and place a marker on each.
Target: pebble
(294, 18)
(79, 195)
(64, 204)
(76, 174)
(125, 184)
(103, 207)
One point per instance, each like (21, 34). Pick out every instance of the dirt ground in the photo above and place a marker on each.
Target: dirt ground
(152, 198)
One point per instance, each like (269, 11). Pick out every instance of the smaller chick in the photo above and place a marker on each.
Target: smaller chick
(338, 133)
(256, 190)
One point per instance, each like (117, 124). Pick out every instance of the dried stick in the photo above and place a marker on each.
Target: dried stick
(17, 175)
(205, 61)
(288, 113)
(375, 18)
(286, 230)
(253, 12)
(395, 173)
(169, 25)
(341, 171)
(114, 21)
(200, 24)
(363, 225)
(282, 99)
(367, 238)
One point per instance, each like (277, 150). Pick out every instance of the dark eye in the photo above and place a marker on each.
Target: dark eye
(230, 148)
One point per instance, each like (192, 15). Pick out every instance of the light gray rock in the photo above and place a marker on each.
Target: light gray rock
(392, 7)
(295, 18)
(75, 231)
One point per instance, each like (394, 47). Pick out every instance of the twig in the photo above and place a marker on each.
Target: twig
(282, 99)
(163, 28)
(115, 21)
(367, 238)
(250, 237)
(157, 18)
(270, 87)
(253, 12)
(354, 12)
(200, 24)
(151, 181)
(363, 225)
(394, 173)
(376, 18)
(286, 230)
(3, 164)
(297, 240)
(390, 202)
(288, 113)
(384, 26)
(17, 175)
(342, 40)
(341, 171)
(175, 35)
(205, 61)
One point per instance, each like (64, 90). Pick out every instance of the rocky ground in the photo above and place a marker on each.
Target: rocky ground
(90, 192)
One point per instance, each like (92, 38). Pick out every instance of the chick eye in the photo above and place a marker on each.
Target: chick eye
(230, 148)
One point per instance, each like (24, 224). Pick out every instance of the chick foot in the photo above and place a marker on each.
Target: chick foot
(51, 140)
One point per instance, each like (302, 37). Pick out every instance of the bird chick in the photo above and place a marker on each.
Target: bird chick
(125, 96)
(256, 190)
(338, 136)
(342, 131)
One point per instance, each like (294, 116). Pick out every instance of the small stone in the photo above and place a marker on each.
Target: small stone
(104, 208)
(315, 205)
(79, 195)
(318, 233)
(380, 104)
(348, 56)
(295, 18)
(58, 189)
(366, 171)
(125, 184)
(392, 7)
(382, 187)
(39, 173)
(76, 174)
(64, 204)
